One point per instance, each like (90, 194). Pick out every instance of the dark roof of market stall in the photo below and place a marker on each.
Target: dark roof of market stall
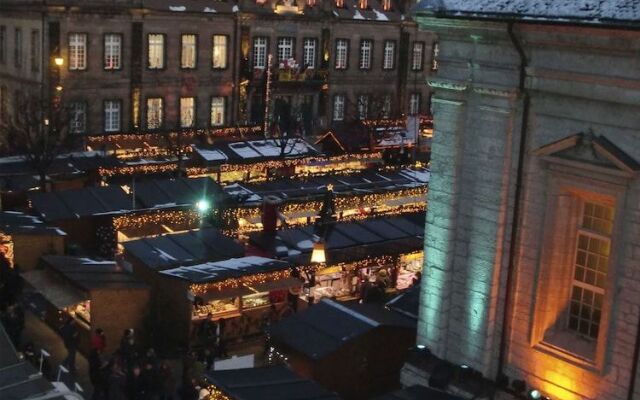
(170, 250)
(89, 201)
(231, 268)
(87, 273)
(407, 303)
(345, 235)
(267, 383)
(166, 193)
(367, 181)
(324, 328)
(418, 392)
(13, 222)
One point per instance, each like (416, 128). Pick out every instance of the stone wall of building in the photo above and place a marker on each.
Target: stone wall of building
(579, 80)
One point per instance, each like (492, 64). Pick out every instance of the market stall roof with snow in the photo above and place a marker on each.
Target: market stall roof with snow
(170, 250)
(222, 270)
(13, 222)
(368, 181)
(347, 241)
(176, 192)
(78, 203)
(252, 151)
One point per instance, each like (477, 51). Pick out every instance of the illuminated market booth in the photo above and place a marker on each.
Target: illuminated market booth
(277, 382)
(239, 291)
(97, 294)
(167, 205)
(388, 249)
(357, 196)
(24, 238)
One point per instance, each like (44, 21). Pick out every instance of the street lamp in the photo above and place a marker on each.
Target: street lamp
(318, 255)
(203, 206)
(59, 61)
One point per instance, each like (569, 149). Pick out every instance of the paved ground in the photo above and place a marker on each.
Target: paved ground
(42, 336)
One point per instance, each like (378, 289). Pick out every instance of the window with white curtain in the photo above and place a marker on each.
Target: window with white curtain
(217, 111)
(155, 49)
(188, 51)
(309, 53)
(285, 48)
(112, 51)
(260, 52)
(388, 60)
(219, 52)
(342, 50)
(154, 112)
(365, 53)
(187, 112)
(77, 51)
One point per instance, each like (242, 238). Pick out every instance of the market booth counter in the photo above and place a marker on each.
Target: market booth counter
(239, 291)
(97, 294)
(388, 248)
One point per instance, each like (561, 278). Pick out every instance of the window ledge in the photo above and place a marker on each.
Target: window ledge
(571, 348)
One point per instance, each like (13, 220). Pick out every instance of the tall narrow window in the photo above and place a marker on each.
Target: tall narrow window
(259, 52)
(155, 51)
(187, 112)
(386, 5)
(363, 106)
(386, 106)
(3, 105)
(34, 53)
(365, 53)
(17, 49)
(3, 44)
(389, 57)
(219, 52)
(342, 53)
(309, 54)
(338, 107)
(285, 48)
(311, 3)
(77, 51)
(217, 111)
(363, 4)
(339, 3)
(435, 51)
(112, 51)
(417, 55)
(414, 104)
(154, 113)
(590, 270)
(188, 48)
(78, 117)
(112, 115)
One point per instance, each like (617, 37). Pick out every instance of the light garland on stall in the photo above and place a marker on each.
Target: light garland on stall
(96, 141)
(232, 283)
(164, 217)
(216, 394)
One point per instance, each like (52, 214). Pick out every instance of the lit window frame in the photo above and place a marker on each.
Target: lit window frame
(188, 51)
(77, 59)
(112, 51)
(151, 110)
(220, 101)
(389, 55)
(183, 116)
(216, 47)
(366, 54)
(338, 108)
(260, 46)
(341, 54)
(112, 107)
(156, 46)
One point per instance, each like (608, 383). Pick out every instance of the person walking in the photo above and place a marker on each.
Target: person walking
(99, 341)
(70, 335)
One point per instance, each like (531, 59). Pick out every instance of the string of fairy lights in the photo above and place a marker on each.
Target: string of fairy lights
(234, 283)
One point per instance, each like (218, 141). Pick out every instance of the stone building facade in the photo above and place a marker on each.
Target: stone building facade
(532, 239)
(132, 66)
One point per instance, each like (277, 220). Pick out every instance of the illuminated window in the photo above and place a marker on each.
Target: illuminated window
(417, 55)
(388, 59)
(188, 51)
(112, 51)
(590, 269)
(386, 5)
(340, 3)
(35, 50)
(414, 104)
(362, 4)
(77, 51)
(154, 112)
(219, 56)
(112, 115)
(435, 51)
(311, 3)
(217, 111)
(338, 107)
(187, 112)
(78, 117)
(309, 53)
(363, 106)
(365, 54)
(285, 48)
(342, 53)
(155, 49)
(259, 52)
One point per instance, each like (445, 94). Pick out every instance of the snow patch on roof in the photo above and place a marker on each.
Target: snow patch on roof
(380, 16)
(235, 8)
(336, 13)
(357, 15)
(177, 8)
(209, 10)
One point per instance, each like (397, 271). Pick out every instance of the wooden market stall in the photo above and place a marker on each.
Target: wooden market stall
(97, 294)
(239, 291)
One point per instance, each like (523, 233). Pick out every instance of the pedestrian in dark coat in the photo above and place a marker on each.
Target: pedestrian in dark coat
(70, 335)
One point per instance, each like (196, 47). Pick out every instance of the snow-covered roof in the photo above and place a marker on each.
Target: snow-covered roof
(231, 268)
(616, 12)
